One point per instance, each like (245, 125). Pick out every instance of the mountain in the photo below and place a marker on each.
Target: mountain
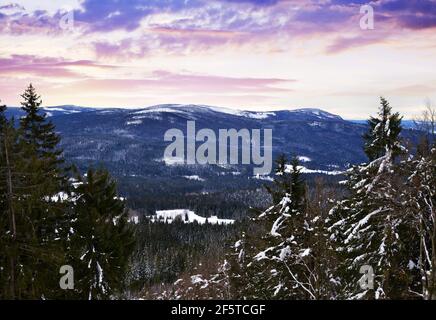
(52, 111)
(132, 140)
(130, 143)
(123, 135)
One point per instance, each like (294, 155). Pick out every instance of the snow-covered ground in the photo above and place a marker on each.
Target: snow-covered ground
(304, 159)
(194, 177)
(263, 177)
(309, 171)
(186, 216)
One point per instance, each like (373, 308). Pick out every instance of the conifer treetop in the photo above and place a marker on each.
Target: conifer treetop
(38, 131)
(384, 132)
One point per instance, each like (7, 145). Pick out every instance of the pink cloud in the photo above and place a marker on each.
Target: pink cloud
(44, 66)
(174, 84)
(341, 44)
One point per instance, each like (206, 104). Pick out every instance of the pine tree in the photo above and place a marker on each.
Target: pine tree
(281, 183)
(19, 244)
(46, 192)
(298, 186)
(420, 201)
(102, 240)
(288, 262)
(383, 133)
(37, 131)
(43, 225)
(369, 227)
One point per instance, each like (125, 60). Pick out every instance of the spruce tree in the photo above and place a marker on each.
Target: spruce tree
(420, 200)
(46, 192)
(37, 130)
(383, 133)
(281, 184)
(285, 265)
(19, 244)
(102, 240)
(369, 228)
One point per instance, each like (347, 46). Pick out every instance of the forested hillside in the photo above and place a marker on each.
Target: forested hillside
(364, 231)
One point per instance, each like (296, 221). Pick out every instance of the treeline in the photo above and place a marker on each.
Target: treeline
(376, 241)
(62, 234)
(164, 251)
(229, 204)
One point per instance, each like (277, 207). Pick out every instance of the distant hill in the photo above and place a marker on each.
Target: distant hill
(130, 142)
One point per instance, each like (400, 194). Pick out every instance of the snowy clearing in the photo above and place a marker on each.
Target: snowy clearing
(187, 216)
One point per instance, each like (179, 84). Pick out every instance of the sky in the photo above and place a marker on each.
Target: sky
(246, 54)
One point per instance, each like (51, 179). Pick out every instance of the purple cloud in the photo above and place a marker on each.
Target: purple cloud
(164, 81)
(44, 66)
(411, 14)
(113, 14)
(208, 24)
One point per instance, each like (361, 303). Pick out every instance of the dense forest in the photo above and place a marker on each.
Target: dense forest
(372, 236)
(368, 234)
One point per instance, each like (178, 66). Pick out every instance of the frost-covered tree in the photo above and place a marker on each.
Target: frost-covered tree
(421, 203)
(288, 263)
(370, 227)
(383, 133)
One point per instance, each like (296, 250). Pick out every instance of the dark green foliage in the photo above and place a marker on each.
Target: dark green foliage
(102, 240)
(37, 131)
(282, 183)
(30, 248)
(298, 187)
(38, 213)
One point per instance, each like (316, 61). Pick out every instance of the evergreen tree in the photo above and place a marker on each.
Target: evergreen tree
(19, 244)
(383, 133)
(286, 264)
(46, 193)
(37, 130)
(44, 226)
(297, 187)
(369, 227)
(420, 200)
(102, 240)
(281, 184)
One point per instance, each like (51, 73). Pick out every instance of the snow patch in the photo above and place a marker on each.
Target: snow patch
(304, 159)
(187, 216)
(134, 122)
(314, 171)
(194, 177)
(263, 177)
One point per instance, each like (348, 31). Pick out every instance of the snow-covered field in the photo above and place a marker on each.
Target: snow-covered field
(187, 216)
(311, 171)
(194, 177)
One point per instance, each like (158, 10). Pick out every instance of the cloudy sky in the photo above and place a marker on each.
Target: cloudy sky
(247, 54)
